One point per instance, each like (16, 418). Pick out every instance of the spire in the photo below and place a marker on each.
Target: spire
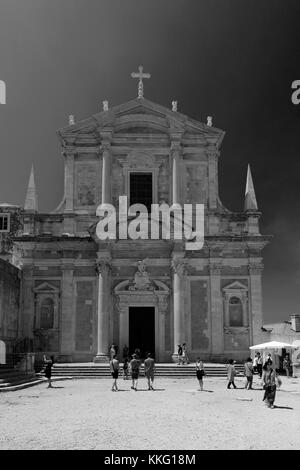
(250, 198)
(31, 201)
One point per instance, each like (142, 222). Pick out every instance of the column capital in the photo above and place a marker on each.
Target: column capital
(212, 151)
(105, 146)
(215, 268)
(179, 265)
(175, 148)
(255, 268)
(103, 266)
(69, 151)
(66, 265)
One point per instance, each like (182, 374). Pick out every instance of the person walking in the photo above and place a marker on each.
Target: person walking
(255, 363)
(185, 357)
(149, 366)
(179, 353)
(125, 368)
(270, 382)
(287, 365)
(200, 372)
(48, 369)
(231, 373)
(135, 369)
(248, 368)
(112, 352)
(114, 369)
(259, 364)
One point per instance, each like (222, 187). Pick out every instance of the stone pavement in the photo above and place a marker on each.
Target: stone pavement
(85, 414)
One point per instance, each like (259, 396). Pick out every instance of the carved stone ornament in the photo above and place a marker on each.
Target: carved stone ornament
(141, 280)
(175, 148)
(179, 266)
(237, 331)
(105, 146)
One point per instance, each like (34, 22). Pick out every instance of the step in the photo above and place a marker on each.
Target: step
(18, 380)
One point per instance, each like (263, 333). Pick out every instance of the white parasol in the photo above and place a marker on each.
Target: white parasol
(274, 345)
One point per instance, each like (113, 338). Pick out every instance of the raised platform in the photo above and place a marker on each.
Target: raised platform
(92, 370)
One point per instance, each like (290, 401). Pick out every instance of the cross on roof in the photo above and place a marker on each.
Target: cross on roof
(140, 75)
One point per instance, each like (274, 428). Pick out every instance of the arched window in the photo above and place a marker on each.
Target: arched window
(47, 314)
(235, 312)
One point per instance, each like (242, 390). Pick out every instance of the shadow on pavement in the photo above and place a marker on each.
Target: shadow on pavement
(283, 407)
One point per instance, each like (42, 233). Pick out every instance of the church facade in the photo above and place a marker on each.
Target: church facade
(80, 294)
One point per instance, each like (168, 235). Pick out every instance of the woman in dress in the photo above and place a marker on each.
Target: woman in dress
(114, 369)
(200, 372)
(270, 381)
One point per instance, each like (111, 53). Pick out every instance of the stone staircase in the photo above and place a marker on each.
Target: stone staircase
(91, 370)
(13, 379)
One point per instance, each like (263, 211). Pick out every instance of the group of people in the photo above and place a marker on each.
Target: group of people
(268, 374)
(134, 367)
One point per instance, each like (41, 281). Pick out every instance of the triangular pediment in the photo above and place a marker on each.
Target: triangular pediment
(236, 285)
(140, 116)
(46, 287)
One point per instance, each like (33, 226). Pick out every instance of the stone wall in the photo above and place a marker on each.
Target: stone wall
(9, 303)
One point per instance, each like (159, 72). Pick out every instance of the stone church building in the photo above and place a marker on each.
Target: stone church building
(79, 294)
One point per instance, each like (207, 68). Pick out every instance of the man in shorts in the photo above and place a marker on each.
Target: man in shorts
(149, 365)
(135, 369)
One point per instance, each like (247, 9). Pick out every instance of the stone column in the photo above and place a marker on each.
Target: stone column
(67, 320)
(176, 171)
(212, 155)
(244, 300)
(106, 173)
(226, 299)
(104, 293)
(68, 222)
(217, 329)
(178, 267)
(123, 328)
(69, 153)
(28, 304)
(255, 293)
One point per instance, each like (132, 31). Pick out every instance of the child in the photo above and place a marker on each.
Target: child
(48, 369)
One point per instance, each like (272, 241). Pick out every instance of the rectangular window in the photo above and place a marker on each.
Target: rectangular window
(4, 223)
(141, 189)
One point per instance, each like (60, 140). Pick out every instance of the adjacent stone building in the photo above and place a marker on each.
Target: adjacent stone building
(80, 294)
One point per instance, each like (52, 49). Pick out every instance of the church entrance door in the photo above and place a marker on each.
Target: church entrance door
(142, 330)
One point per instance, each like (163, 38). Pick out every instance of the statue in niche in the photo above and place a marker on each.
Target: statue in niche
(141, 278)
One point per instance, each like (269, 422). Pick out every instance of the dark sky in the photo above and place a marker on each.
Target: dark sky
(232, 59)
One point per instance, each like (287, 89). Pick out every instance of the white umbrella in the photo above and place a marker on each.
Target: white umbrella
(273, 345)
